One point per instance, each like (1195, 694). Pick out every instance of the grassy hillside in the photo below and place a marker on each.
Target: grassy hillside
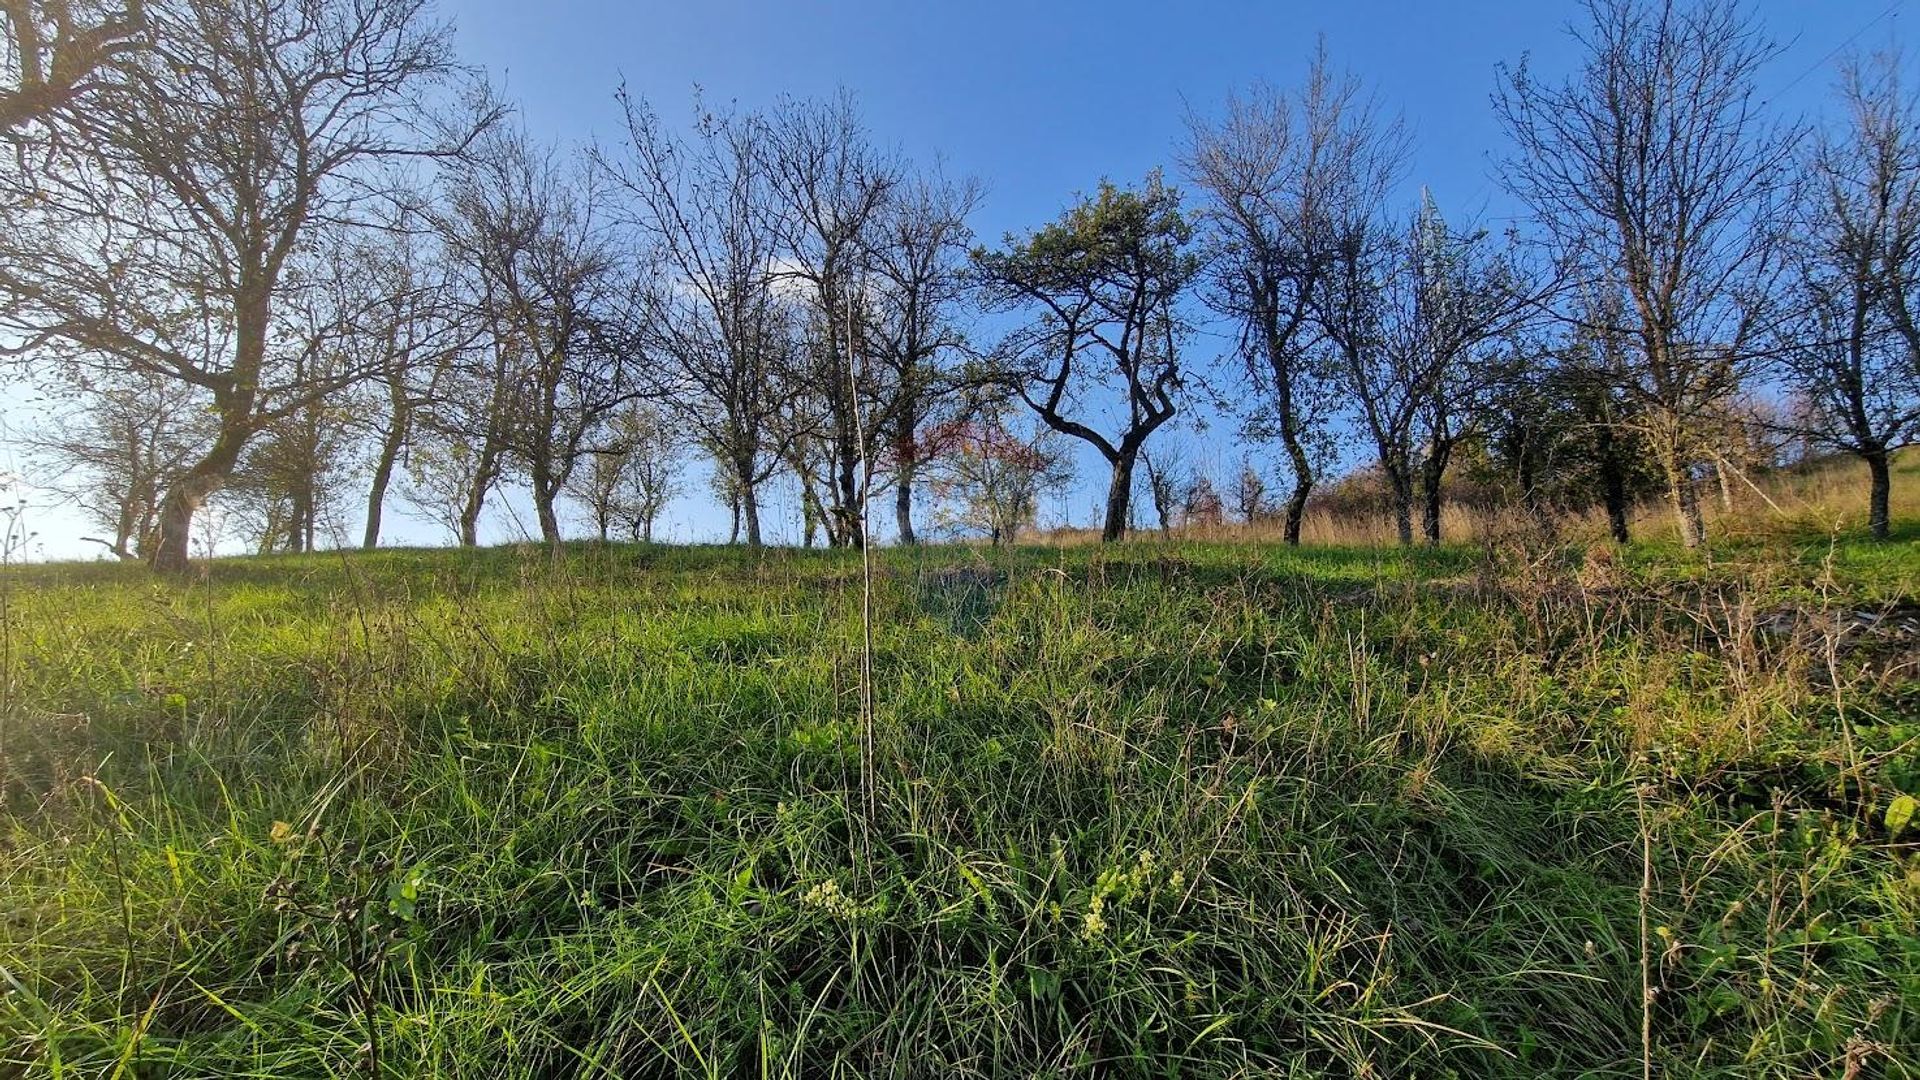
(1168, 810)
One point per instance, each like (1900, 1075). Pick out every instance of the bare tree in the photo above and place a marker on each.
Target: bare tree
(707, 209)
(626, 484)
(58, 50)
(411, 336)
(115, 451)
(1654, 167)
(1466, 294)
(1854, 354)
(1366, 299)
(161, 243)
(1102, 285)
(553, 292)
(1281, 173)
(833, 186)
(1250, 493)
(1168, 475)
(918, 282)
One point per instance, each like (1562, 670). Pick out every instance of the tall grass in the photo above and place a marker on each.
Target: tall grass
(1825, 496)
(1174, 809)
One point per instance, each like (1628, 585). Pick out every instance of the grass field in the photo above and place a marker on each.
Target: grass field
(1177, 809)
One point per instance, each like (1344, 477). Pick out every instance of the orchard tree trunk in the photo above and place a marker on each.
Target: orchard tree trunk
(1613, 485)
(1119, 495)
(852, 508)
(1880, 487)
(750, 513)
(906, 452)
(383, 467)
(545, 493)
(1400, 487)
(300, 515)
(188, 494)
(1432, 473)
(1684, 494)
(903, 503)
(1302, 484)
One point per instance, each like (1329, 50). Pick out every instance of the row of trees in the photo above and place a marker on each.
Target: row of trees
(259, 250)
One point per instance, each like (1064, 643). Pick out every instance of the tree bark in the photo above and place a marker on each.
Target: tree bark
(1119, 495)
(852, 510)
(188, 494)
(1297, 458)
(1400, 484)
(1685, 496)
(750, 512)
(483, 477)
(1432, 474)
(1302, 485)
(383, 467)
(1613, 485)
(1878, 491)
(903, 504)
(545, 493)
(906, 451)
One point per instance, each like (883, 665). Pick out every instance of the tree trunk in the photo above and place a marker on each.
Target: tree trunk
(1432, 473)
(851, 498)
(1282, 371)
(252, 313)
(750, 511)
(903, 503)
(188, 494)
(1881, 485)
(1119, 494)
(382, 476)
(1302, 481)
(1400, 486)
(906, 451)
(483, 477)
(1685, 496)
(300, 516)
(1613, 485)
(544, 497)
(1296, 511)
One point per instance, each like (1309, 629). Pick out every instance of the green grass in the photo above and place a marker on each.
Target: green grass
(1160, 810)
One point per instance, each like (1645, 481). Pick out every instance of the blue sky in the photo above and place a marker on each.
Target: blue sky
(1043, 99)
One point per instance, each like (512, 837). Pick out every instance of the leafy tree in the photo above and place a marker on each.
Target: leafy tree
(1101, 289)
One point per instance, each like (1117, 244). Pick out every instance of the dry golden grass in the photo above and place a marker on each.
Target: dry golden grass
(1827, 497)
